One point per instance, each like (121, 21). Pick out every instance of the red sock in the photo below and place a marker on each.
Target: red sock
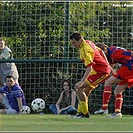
(106, 96)
(118, 102)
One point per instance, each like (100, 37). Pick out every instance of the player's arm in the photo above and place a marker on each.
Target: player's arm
(59, 102)
(86, 74)
(87, 58)
(104, 56)
(20, 105)
(79, 84)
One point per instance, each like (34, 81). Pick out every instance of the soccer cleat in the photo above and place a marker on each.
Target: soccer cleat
(114, 115)
(81, 115)
(101, 111)
(70, 116)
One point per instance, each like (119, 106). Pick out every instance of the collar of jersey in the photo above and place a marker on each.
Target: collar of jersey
(82, 43)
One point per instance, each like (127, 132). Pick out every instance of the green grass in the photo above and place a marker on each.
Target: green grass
(49, 122)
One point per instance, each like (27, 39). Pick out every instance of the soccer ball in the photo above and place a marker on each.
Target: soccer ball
(38, 105)
(25, 110)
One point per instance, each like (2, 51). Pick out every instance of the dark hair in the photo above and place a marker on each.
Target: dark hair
(70, 91)
(76, 35)
(9, 76)
(101, 45)
(68, 81)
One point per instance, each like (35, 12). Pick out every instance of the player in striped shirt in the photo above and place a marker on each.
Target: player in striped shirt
(123, 77)
(12, 97)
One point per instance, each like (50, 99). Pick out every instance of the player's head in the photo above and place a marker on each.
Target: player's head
(2, 44)
(103, 46)
(10, 81)
(76, 38)
(66, 86)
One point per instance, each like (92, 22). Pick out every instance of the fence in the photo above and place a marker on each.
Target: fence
(38, 34)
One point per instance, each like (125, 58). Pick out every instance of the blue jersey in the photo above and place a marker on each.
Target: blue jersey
(12, 95)
(121, 56)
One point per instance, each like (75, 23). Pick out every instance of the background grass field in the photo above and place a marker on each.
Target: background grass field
(49, 122)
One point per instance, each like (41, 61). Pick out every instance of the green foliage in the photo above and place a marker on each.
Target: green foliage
(42, 24)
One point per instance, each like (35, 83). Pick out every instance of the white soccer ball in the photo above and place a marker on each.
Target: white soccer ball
(38, 105)
(25, 110)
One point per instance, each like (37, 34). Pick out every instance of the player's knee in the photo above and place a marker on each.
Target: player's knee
(106, 82)
(79, 91)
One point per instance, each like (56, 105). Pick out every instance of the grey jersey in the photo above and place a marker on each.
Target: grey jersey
(7, 68)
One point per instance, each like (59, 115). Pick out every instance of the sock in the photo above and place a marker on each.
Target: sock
(118, 102)
(106, 96)
(83, 107)
(79, 107)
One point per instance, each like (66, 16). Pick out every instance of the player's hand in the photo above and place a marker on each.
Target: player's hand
(114, 71)
(78, 85)
(20, 112)
(60, 111)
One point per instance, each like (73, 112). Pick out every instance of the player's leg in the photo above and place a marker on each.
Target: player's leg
(8, 111)
(2, 111)
(11, 111)
(118, 97)
(6, 105)
(118, 101)
(126, 76)
(83, 94)
(107, 94)
(4, 101)
(91, 83)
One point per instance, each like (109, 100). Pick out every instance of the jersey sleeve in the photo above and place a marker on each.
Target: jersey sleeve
(87, 56)
(18, 92)
(122, 54)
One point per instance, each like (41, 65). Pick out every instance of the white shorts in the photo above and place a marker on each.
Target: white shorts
(11, 111)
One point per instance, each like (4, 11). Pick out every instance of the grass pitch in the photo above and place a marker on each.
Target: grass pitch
(53, 123)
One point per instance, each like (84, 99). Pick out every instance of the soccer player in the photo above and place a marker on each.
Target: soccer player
(5, 67)
(123, 77)
(66, 102)
(98, 70)
(12, 97)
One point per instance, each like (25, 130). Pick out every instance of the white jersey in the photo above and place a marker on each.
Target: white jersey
(7, 68)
